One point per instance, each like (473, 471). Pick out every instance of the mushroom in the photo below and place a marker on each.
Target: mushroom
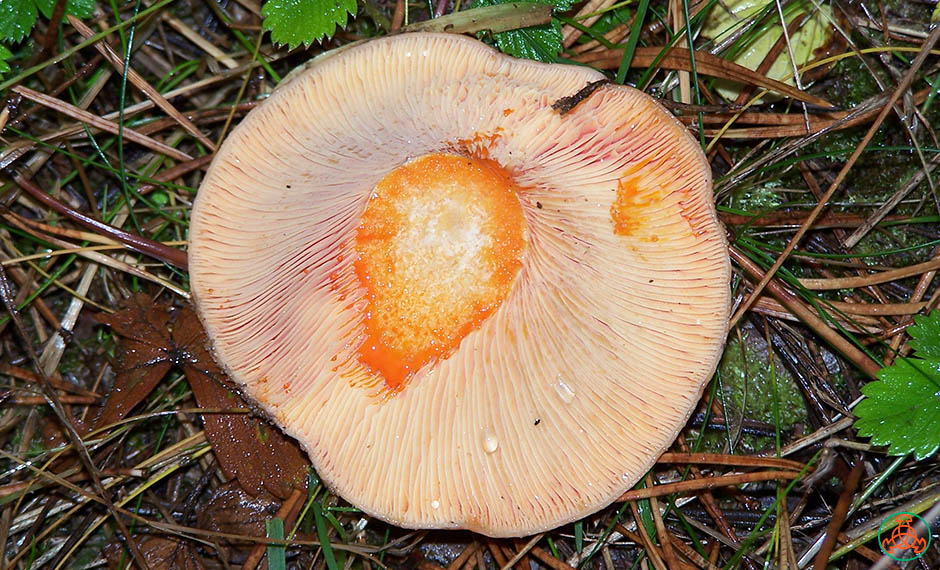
(472, 308)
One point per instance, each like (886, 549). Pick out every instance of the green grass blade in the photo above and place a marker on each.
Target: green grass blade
(277, 553)
(322, 533)
(638, 20)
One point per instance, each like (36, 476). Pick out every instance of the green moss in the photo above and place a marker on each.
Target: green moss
(747, 386)
(756, 198)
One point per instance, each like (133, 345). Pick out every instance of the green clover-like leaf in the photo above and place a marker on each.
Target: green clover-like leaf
(295, 22)
(541, 43)
(902, 408)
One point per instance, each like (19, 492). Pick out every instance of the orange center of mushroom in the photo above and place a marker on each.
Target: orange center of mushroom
(439, 246)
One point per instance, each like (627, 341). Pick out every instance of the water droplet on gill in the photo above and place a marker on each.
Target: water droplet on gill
(435, 504)
(490, 443)
(565, 391)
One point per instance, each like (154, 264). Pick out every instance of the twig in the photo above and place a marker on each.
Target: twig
(52, 398)
(135, 242)
(834, 283)
(258, 552)
(808, 317)
(823, 202)
(838, 516)
(707, 483)
(523, 551)
(99, 123)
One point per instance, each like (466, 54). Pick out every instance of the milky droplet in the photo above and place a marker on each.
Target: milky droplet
(490, 443)
(565, 391)
(435, 504)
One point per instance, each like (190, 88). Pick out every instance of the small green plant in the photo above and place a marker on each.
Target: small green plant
(902, 408)
(18, 18)
(541, 43)
(295, 22)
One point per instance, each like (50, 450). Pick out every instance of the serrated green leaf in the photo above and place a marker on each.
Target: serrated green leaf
(541, 43)
(5, 54)
(77, 8)
(17, 18)
(902, 408)
(925, 335)
(295, 22)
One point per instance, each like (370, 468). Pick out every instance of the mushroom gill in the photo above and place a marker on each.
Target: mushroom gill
(473, 310)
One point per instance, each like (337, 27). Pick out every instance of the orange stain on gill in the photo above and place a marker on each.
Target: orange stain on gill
(438, 248)
(626, 212)
(480, 144)
(638, 193)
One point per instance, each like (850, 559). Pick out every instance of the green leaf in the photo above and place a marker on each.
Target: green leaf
(17, 18)
(77, 8)
(925, 335)
(541, 43)
(5, 54)
(295, 22)
(902, 408)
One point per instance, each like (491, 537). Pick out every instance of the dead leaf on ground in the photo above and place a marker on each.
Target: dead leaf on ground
(144, 355)
(231, 510)
(155, 337)
(159, 551)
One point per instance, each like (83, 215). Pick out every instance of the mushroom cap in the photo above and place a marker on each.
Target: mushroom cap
(569, 388)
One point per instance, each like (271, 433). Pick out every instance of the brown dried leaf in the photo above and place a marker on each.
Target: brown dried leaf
(154, 338)
(249, 449)
(160, 552)
(230, 510)
(233, 511)
(143, 356)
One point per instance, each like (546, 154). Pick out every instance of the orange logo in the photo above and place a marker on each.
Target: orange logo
(904, 541)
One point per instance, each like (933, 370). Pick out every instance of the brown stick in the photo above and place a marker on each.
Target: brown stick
(838, 517)
(135, 242)
(707, 483)
(807, 316)
(824, 200)
(724, 459)
(547, 559)
(99, 123)
(679, 59)
(873, 279)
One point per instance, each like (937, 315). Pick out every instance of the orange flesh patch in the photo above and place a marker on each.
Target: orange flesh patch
(439, 246)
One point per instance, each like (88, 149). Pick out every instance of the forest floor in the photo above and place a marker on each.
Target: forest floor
(121, 446)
